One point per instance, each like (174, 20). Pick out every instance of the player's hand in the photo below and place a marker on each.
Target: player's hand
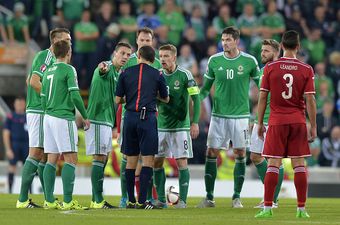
(9, 154)
(103, 67)
(312, 134)
(194, 130)
(86, 124)
(118, 136)
(261, 129)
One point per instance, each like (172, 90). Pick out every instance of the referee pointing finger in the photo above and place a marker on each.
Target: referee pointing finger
(140, 86)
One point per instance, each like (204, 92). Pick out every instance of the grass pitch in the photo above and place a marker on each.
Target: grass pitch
(322, 211)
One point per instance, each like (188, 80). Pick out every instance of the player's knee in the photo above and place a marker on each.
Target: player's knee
(240, 152)
(256, 158)
(158, 163)
(148, 161)
(298, 162)
(11, 169)
(101, 158)
(211, 152)
(43, 158)
(36, 153)
(71, 158)
(182, 163)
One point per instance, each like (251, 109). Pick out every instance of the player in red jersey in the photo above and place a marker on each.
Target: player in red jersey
(289, 81)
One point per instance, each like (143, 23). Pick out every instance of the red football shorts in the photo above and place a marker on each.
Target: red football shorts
(286, 141)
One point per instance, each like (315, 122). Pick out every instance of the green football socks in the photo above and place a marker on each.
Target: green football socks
(41, 167)
(262, 169)
(49, 180)
(28, 173)
(68, 177)
(184, 177)
(279, 184)
(210, 176)
(97, 180)
(239, 173)
(159, 180)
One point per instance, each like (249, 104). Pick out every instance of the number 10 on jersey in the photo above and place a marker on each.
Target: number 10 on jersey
(230, 73)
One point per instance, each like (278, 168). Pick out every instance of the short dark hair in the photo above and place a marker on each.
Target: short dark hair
(169, 47)
(147, 53)
(233, 31)
(122, 44)
(61, 48)
(20, 97)
(55, 32)
(273, 43)
(290, 39)
(145, 30)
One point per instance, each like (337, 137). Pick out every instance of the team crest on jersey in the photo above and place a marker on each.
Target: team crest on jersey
(43, 68)
(176, 85)
(240, 70)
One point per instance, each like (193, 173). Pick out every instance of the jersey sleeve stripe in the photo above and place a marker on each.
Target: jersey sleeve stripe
(210, 78)
(48, 58)
(310, 92)
(263, 89)
(187, 72)
(251, 57)
(73, 88)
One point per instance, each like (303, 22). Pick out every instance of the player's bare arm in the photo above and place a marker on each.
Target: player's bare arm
(205, 90)
(311, 110)
(194, 128)
(261, 109)
(7, 143)
(35, 82)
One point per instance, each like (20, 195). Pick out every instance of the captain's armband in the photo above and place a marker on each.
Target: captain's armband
(193, 90)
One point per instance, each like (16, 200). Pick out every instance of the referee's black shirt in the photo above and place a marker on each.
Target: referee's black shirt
(140, 85)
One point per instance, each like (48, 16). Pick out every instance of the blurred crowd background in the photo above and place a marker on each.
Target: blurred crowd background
(194, 26)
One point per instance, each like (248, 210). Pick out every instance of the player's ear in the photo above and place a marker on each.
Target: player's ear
(298, 47)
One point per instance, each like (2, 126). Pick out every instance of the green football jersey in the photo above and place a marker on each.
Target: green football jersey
(231, 78)
(59, 80)
(133, 61)
(174, 116)
(101, 106)
(41, 62)
(267, 112)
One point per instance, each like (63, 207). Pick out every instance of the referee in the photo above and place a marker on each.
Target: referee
(140, 86)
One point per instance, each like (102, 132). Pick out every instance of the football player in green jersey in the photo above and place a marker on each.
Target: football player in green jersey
(36, 159)
(101, 112)
(270, 51)
(59, 99)
(145, 37)
(230, 71)
(174, 128)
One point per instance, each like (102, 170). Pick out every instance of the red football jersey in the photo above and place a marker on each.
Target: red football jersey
(287, 80)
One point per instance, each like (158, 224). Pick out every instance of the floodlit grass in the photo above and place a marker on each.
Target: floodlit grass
(322, 211)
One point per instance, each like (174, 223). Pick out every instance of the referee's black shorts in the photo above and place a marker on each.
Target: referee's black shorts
(140, 136)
